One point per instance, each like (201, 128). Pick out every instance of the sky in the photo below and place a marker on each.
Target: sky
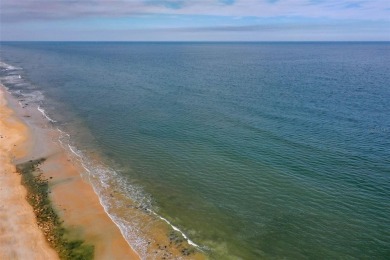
(195, 20)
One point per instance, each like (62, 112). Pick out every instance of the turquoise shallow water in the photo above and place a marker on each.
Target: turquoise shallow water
(277, 150)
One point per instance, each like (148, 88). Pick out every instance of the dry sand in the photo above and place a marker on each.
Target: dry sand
(20, 237)
(73, 198)
(27, 135)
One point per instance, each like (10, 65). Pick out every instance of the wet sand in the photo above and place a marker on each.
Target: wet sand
(20, 237)
(72, 197)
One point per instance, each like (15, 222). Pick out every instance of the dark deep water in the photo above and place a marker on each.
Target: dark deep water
(253, 150)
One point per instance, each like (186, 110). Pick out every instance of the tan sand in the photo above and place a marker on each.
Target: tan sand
(79, 207)
(20, 237)
(72, 196)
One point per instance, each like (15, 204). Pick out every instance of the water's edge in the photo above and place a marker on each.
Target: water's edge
(101, 178)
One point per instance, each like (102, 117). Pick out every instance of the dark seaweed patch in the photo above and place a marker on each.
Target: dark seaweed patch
(176, 239)
(48, 220)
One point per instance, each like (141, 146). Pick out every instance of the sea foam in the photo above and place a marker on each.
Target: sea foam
(8, 67)
(45, 115)
(100, 177)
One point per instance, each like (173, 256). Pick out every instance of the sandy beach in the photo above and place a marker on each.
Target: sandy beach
(20, 237)
(31, 157)
(72, 197)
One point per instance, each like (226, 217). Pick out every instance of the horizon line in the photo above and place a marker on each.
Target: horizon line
(201, 41)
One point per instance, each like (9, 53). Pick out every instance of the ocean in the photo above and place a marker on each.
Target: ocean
(251, 150)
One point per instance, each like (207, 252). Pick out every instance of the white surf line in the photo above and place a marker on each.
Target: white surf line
(178, 230)
(62, 132)
(78, 155)
(101, 200)
(61, 136)
(8, 67)
(118, 223)
(43, 113)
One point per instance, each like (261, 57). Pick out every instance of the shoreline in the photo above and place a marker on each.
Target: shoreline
(73, 199)
(20, 237)
(78, 203)
(48, 220)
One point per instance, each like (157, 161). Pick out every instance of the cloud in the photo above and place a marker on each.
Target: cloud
(195, 19)
(27, 10)
(171, 4)
(270, 32)
(341, 26)
(353, 5)
(228, 2)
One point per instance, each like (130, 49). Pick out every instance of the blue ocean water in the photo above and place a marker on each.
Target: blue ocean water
(254, 150)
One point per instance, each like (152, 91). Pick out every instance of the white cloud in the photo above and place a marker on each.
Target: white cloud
(152, 19)
(12, 10)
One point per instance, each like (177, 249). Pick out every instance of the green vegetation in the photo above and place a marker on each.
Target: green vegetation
(48, 220)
